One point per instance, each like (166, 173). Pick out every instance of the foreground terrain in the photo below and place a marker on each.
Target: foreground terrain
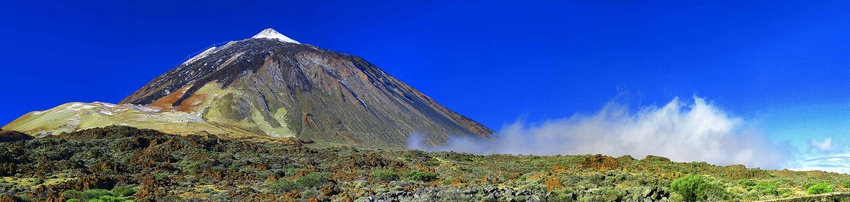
(119, 163)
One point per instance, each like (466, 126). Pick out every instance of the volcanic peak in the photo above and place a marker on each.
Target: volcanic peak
(270, 33)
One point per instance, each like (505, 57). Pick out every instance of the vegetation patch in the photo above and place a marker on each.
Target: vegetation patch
(385, 175)
(121, 163)
(695, 187)
(416, 175)
(819, 188)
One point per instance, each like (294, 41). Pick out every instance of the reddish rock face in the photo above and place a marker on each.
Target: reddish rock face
(324, 95)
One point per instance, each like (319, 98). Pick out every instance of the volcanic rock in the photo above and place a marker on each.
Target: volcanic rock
(12, 136)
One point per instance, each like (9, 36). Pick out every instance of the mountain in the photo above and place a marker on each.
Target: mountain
(269, 85)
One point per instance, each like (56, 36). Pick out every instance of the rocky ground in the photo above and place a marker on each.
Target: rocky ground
(122, 163)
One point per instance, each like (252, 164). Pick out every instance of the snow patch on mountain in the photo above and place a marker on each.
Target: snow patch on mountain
(270, 33)
(201, 55)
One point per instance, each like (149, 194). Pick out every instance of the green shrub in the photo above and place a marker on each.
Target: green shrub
(785, 193)
(694, 187)
(766, 188)
(312, 179)
(71, 193)
(279, 172)
(563, 194)
(416, 175)
(676, 197)
(819, 188)
(310, 193)
(100, 195)
(385, 175)
(747, 182)
(846, 184)
(612, 195)
(291, 170)
(160, 176)
(94, 194)
(111, 199)
(808, 184)
(123, 191)
(73, 200)
(283, 185)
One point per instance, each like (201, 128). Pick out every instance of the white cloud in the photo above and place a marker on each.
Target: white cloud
(833, 163)
(824, 146)
(699, 132)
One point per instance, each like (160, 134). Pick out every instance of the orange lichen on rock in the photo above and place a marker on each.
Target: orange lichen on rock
(292, 195)
(553, 182)
(458, 181)
(423, 167)
(600, 162)
(558, 168)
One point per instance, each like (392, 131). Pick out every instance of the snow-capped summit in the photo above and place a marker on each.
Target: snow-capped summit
(270, 33)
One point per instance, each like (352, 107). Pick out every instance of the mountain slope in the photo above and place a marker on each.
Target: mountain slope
(273, 85)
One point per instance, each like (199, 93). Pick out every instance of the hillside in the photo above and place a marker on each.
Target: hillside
(269, 86)
(148, 165)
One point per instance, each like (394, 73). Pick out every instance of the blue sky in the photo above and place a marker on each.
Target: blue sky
(781, 67)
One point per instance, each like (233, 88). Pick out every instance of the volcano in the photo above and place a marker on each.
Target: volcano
(269, 85)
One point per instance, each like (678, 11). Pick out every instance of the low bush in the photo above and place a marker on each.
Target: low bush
(385, 175)
(694, 187)
(612, 195)
(283, 185)
(808, 184)
(747, 182)
(785, 193)
(109, 198)
(94, 193)
(71, 193)
(123, 191)
(562, 194)
(160, 176)
(99, 195)
(310, 180)
(819, 188)
(416, 175)
(766, 188)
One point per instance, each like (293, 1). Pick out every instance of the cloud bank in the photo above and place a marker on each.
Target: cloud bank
(832, 163)
(695, 132)
(824, 146)
(827, 155)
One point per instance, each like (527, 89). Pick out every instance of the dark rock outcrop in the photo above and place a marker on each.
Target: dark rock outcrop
(12, 136)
